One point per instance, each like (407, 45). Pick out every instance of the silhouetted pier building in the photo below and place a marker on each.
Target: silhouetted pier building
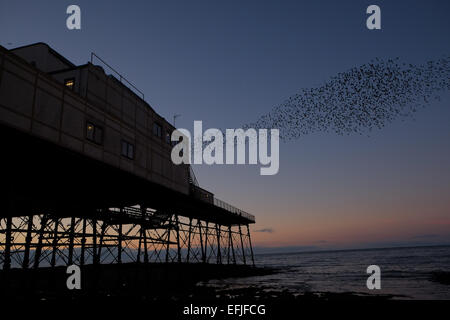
(87, 177)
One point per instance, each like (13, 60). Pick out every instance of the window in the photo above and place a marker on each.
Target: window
(157, 130)
(127, 149)
(69, 83)
(94, 133)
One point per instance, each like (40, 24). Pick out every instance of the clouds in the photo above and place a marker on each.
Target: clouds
(265, 230)
(426, 236)
(284, 249)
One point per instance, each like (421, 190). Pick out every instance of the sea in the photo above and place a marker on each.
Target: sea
(406, 273)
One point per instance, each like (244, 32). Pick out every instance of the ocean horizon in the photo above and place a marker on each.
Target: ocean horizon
(301, 249)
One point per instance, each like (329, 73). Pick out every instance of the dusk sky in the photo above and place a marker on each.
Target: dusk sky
(229, 62)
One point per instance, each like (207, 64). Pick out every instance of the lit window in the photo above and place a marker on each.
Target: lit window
(127, 149)
(90, 131)
(69, 83)
(94, 133)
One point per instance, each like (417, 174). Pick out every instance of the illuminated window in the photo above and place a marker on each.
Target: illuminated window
(69, 83)
(90, 131)
(127, 149)
(94, 133)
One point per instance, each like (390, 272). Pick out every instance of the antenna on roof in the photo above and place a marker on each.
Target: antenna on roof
(175, 116)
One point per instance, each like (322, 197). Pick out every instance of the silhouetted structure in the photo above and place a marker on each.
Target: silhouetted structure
(87, 176)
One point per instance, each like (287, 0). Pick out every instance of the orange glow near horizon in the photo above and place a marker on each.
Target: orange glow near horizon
(346, 227)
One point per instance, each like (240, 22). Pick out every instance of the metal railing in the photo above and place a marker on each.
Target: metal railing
(192, 177)
(233, 209)
(122, 78)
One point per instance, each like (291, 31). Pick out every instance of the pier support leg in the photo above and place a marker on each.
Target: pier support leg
(94, 240)
(37, 254)
(242, 245)
(83, 242)
(189, 240)
(28, 238)
(145, 246)
(119, 244)
(199, 223)
(168, 239)
(138, 256)
(54, 243)
(231, 245)
(71, 240)
(206, 242)
(178, 239)
(100, 244)
(143, 234)
(219, 253)
(7, 252)
(250, 244)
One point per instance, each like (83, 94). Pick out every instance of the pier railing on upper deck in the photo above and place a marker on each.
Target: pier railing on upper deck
(206, 196)
(233, 209)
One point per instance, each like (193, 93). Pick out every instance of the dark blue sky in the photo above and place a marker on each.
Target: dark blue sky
(227, 62)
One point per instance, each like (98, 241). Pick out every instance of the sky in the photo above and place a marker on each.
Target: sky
(228, 62)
